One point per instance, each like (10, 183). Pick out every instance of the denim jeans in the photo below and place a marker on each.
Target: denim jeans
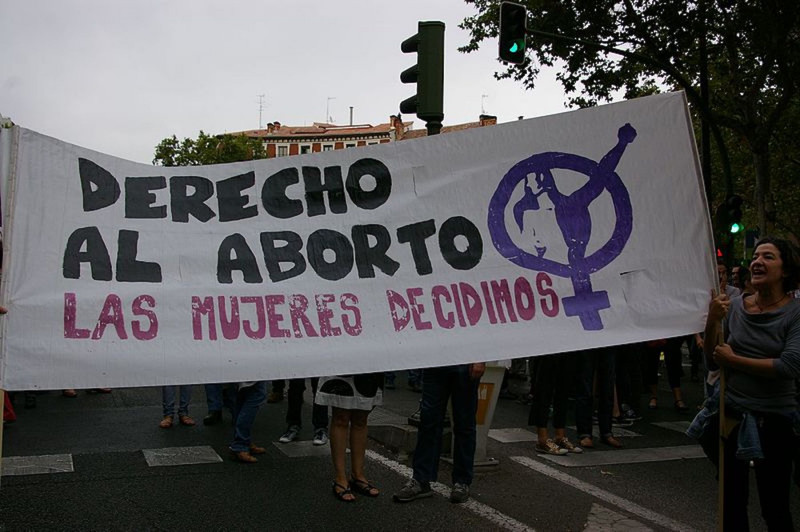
(602, 361)
(168, 400)
(248, 401)
(218, 396)
(439, 385)
(319, 413)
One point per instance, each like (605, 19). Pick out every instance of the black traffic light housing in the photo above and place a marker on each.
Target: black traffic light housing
(428, 74)
(734, 207)
(512, 44)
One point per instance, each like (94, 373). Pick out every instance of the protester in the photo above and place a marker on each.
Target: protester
(168, 394)
(628, 371)
(218, 395)
(601, 362)
(459, 383)
(351, 398)
(554, 376)
(249, 397)
(761, 353)
(673, 360)
(319, 413)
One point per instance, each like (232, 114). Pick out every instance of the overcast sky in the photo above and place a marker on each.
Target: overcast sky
(118, 76)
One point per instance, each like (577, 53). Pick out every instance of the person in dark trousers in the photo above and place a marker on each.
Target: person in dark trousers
(319, 413)
(761, 353)
(601, 362)
(459, 383)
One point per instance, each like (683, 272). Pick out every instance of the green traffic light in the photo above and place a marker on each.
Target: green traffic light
(736, 227)
(514, 48)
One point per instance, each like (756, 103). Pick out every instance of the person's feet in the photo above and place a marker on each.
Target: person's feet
(186, 420)
(653, 404)
(255, 449)
(364, 487)
(586, 442)
(290, 435)
(245, 457)
(166, 423)
(320, 437)
(570, 447)
(549, 447)
(69, 393)
(412, 491)
(459, 494)
(343, 493)
(214, 417)
(612, 441)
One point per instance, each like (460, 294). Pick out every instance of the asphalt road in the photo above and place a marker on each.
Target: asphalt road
(111, 486)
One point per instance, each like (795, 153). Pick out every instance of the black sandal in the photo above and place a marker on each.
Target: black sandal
(341, 495)
(364, 487)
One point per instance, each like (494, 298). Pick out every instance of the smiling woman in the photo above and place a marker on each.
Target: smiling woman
(761, 353)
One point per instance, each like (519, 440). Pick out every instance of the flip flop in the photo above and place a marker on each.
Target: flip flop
(345, 492)
(364, 487)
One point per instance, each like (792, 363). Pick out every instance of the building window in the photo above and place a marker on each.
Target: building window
(283, 151)
(327, 147)
(350, 145)
(305, 148)
(372, 142)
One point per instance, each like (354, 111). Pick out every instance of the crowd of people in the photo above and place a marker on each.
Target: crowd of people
(751, 340)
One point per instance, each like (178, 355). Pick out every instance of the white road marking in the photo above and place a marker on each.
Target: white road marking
(499, 519)
(619, 502)
(37, 465)
(173, 456)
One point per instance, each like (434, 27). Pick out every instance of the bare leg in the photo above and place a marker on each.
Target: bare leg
(358, 442)
(338, 439)
(542, 435)
(358, 447)
(653, 396)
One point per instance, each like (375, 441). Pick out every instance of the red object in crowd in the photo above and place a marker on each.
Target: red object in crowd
(8, 409)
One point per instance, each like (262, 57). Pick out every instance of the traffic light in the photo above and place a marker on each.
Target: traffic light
(428, 74)
(734, 208)
(512, 32)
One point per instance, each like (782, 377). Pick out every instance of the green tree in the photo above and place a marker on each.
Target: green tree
(207, 149)
(640, 46)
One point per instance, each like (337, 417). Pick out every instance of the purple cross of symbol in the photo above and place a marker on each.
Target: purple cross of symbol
(573, 219)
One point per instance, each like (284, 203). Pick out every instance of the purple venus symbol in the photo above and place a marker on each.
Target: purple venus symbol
(572, 217)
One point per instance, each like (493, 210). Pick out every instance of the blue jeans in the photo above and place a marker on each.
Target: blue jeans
(600, 360)
(248, 401)
(219, 395)
(438, 385)
(168, 400)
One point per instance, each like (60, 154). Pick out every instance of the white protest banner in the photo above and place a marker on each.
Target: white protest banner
(565, 232)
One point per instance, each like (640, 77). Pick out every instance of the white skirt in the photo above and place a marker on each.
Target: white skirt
(351, 392)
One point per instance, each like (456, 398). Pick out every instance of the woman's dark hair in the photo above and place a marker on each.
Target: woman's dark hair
(790, 258)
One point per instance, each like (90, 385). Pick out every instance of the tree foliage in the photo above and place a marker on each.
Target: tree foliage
(207, 149)
(752, 60)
